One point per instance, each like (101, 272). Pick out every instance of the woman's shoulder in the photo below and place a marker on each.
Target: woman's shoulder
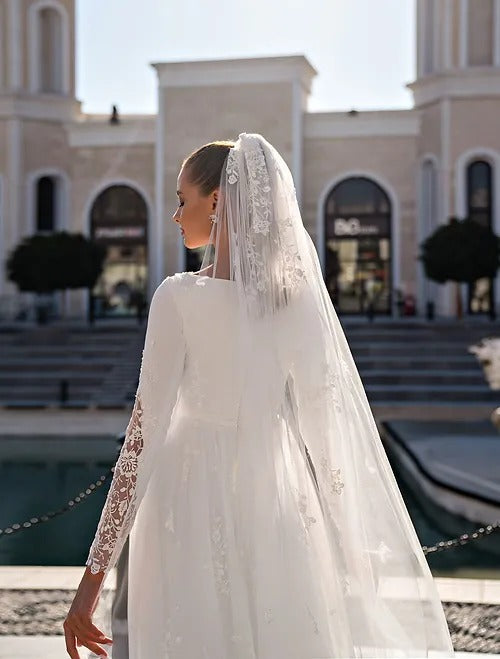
(168, 289)
(177, 280)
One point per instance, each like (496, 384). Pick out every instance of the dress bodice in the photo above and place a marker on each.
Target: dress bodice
(209, 384)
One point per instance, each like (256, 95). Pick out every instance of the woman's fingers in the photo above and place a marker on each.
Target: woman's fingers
(87, 634)
(102, 638)
(69, 638)
(96, 649)
(79, 630)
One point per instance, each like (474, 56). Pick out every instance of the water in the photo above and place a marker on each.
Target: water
(38, 475)
(479, 559)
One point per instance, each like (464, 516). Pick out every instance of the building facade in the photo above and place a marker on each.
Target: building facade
(371, 184)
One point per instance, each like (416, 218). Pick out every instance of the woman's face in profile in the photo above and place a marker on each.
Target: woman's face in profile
(193, 212)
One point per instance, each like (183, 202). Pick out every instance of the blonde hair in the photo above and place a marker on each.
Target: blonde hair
(204, 165)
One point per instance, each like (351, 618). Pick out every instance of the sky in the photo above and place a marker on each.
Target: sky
(363, 50)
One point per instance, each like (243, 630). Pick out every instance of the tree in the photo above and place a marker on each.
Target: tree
(461, 251)
(44, 263)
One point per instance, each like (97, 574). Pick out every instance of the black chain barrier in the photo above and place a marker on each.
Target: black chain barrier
(464, 539)
(93, 487)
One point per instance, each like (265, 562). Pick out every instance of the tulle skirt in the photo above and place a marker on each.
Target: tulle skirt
(228, 555)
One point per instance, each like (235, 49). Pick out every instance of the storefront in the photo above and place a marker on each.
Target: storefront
(358, 268)
(119, 220)
(480, 294)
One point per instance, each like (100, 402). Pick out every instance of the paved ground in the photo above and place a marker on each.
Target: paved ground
(25, 613)
(35, 600)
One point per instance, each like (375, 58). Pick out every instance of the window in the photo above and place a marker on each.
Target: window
(428, 199)
(480, 209)
(358, 246)
(429, 36)
(480, 31)
(119, 222)
(46, 204)
(50, 55)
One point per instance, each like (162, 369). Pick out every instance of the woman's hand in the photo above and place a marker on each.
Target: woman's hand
(78, 626)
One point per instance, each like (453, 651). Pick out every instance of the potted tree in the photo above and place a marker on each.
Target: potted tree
(44, 263)
(461, 251)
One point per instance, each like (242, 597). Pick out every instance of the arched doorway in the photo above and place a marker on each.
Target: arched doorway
(358, 266)
(480, 294)
(119, 221)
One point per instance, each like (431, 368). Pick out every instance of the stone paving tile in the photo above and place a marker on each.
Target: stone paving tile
(474, 627)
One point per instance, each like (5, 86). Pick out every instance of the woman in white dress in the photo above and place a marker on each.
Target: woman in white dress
(265, 521)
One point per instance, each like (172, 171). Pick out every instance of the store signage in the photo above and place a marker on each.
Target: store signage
(353, 226)
(119, 232)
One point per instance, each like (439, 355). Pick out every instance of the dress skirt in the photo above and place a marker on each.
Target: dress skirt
(228, 555)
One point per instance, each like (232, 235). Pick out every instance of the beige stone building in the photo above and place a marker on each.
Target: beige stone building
(371, 184)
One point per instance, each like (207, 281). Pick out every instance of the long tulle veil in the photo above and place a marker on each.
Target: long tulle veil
(304, 405)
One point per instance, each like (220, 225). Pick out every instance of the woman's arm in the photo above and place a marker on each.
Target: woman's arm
(162, 366)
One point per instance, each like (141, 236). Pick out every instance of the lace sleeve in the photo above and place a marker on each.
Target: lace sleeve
(161, 369)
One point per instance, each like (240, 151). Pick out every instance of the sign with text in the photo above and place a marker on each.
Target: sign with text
(353, 227)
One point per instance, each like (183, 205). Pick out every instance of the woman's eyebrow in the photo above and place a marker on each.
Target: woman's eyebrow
(179, 192)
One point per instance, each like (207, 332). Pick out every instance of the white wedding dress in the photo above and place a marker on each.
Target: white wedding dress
(211, 573)
(201, 586)
(229, 555)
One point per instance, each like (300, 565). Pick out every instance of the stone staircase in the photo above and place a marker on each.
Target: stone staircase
(401, 363)
(422, 363)
(100, 365)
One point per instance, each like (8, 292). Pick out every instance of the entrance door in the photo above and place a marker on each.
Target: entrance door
(481, 294)
(358, 247)
(119, 220)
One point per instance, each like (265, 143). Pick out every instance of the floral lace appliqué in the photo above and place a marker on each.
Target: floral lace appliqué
(307, 519)
(259, 190)
(219, 558)
(119, 510)
(232, 168)
(271, 231)
(332, 476)
(332, 385)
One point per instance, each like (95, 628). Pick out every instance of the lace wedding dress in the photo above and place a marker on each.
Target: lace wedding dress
(211, 573)
(265, 521)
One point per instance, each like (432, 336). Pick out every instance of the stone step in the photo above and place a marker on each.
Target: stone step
(54, 352)
(410, 349)
(425, 392)
(56, 368)
(411, 377)
(441, 362)
(74, 378)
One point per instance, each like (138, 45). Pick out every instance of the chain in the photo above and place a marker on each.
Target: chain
(463, 539)
(440, 546)
(93, 487)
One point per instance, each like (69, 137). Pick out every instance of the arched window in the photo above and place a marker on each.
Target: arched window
(46, 204)
(428, 221)
(2, 48)
(358, 271)
(51, 56)
(429, 40)
(480, 209)
(480, 32)
(119, 221)
(428, 198)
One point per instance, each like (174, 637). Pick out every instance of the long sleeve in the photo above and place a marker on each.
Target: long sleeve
(160, 374)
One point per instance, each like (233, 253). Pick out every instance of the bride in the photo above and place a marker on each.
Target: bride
(264, 519)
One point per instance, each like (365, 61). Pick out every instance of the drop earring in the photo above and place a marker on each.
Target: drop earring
(212, 218)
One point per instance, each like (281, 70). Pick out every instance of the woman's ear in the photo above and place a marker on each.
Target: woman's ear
(215, 196)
